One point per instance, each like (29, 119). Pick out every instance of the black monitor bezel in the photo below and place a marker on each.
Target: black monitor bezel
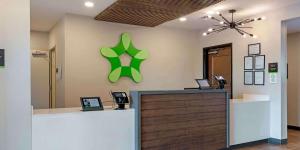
(127, 99)
(84, 108)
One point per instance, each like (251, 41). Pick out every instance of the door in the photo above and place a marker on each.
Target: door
(52, 78)
(218, 62)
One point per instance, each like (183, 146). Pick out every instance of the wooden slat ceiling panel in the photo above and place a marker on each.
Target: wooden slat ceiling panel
(151, 13)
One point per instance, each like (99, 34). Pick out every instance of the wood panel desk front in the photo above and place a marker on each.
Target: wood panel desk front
(181, 120)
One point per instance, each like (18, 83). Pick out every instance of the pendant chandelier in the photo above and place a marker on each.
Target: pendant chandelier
(237, 25)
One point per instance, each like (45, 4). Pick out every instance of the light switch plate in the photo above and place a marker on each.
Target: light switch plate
(2, 58)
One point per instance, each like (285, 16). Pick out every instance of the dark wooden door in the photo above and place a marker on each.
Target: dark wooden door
(219, 64)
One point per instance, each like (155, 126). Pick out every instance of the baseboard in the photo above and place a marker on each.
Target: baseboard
(269, 140)
(293, 127)
(238, 146)
(277, 141)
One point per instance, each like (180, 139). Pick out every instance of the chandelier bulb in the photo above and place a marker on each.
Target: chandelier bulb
(204, 34)
(221, 22)
(210, 29)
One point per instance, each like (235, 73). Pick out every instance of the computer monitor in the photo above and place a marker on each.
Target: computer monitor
(203, 84)
(121, 99)
(91, 103)
(221, 82)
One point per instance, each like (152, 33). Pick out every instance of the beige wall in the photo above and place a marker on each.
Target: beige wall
(170, 65)
(39, 71)
(294, 80)
(270, 36)
(57, 41)
(15, 100)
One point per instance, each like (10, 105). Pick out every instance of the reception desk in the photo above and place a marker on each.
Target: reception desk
(181, 120)
(249, 119)
(72, 129)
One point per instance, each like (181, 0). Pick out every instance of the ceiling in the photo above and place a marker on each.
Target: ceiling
(245, 8)
(151, 13)
(46, 13)
(293, 25)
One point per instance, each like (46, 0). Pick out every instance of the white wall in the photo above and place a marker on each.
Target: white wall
(170, 65)
(294, 80)
(270, 35)
(15, 101)
(39, 71)
(57, 41)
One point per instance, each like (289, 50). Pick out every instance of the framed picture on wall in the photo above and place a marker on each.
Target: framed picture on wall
(259, 78)
(2, 58)
(254, 49)
(248, 78)
(259, 62)
(248, 63)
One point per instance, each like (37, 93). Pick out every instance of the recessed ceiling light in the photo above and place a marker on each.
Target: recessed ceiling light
(89, 4)
(182, 19)
(210, 12)
(218, 8)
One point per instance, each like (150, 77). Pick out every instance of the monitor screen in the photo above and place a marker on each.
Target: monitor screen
(203, 83)
(120, 97)
(91, 103)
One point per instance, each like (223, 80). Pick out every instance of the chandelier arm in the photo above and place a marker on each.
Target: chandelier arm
(217, 30)
(218, 20)
(245, 27)
(221, 30)
(239, 31)
(224, 19)
(241, 21)
(221, 25)
(244, 32)
(248, 21)
(214, 18)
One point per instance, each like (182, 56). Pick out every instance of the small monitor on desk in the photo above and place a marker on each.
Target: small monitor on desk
(121, 99)
(203, 84)
(91, 103)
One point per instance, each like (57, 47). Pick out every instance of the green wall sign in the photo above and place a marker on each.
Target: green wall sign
(113, 54)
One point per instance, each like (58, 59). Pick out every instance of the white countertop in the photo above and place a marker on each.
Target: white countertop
(68, 110)
(252, 98)
(247, 101)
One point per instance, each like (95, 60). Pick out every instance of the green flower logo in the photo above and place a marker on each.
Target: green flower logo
(113, 54)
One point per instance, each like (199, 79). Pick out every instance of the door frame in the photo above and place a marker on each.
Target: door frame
(52, 83)
(205, 61)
